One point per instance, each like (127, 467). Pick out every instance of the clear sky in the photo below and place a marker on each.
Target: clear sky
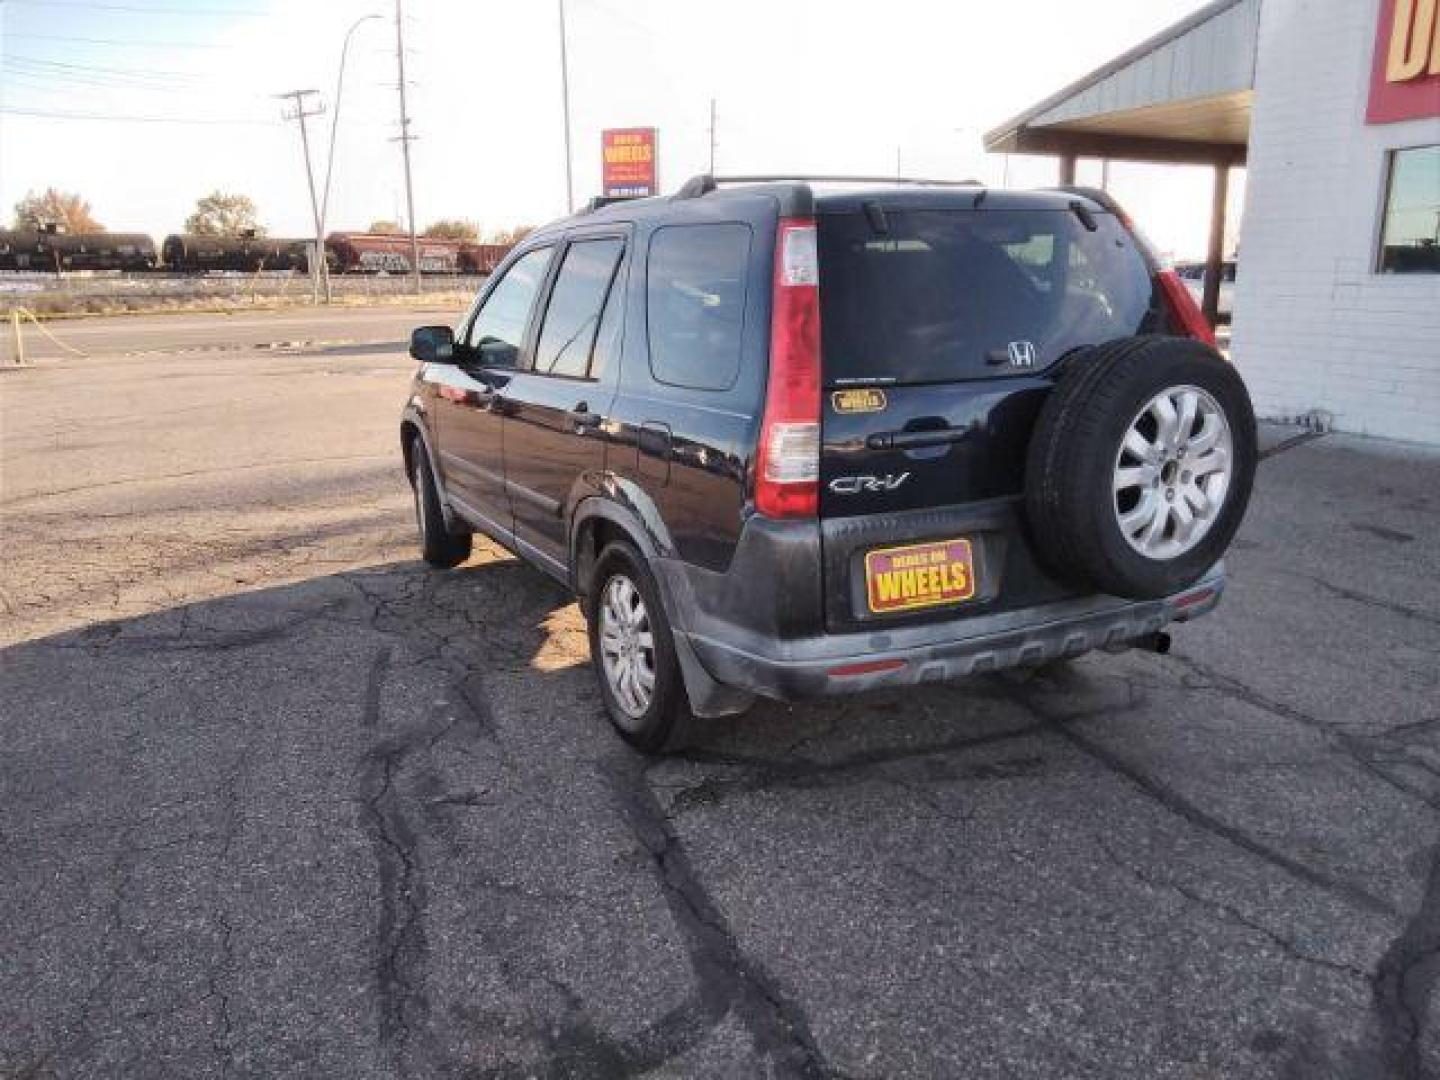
(801, 85)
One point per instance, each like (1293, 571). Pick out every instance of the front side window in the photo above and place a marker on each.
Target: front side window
(498, 329)
(695, 296)
(573, 315)
(1410, 232)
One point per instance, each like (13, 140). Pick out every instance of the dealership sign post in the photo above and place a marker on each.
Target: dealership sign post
(631, 162)
(1405, 81)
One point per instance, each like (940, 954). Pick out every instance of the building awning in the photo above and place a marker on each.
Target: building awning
(1183, 96)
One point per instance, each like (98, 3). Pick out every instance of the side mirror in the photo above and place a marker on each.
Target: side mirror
(433, 345)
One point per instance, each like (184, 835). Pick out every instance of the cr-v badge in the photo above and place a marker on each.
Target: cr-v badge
(853, 485)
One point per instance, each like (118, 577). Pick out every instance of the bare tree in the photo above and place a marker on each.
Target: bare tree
(453, 229)
(509, 236)
(221, 214)
(63, 209)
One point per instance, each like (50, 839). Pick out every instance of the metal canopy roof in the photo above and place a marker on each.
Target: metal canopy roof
(1182, 96)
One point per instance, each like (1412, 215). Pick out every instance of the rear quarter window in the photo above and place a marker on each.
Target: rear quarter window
(695, 303)
(943, 295)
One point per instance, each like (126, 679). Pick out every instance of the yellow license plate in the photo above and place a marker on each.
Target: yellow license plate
(919, 575)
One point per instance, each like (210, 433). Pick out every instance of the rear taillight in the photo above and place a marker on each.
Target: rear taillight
(1185, 314)
(787, 473)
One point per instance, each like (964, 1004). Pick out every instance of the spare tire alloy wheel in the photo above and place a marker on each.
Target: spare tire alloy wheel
(1172, 472)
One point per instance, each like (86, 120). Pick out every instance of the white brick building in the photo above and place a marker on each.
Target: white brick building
(1334, 105)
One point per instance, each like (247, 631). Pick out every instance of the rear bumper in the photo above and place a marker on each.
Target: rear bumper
(807, 667)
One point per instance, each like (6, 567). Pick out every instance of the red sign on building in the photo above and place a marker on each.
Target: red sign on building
(631, 162)
(1405, 78)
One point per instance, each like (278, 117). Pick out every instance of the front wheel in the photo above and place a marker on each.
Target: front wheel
(439, 547)
(633, 652)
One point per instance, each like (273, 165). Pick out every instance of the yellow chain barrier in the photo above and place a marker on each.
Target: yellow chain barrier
(15, 316)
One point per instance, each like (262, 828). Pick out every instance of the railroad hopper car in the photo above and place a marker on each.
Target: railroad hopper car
(53, 252)
(388, 253)
(384, 253)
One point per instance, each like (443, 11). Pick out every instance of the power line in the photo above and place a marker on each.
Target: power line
(103, 82)
(144, 73)
(53, 114)
(137, 9)
(128, 44)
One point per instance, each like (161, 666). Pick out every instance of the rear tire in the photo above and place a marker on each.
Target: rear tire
(1141, 466)
(439, 547)
(633, 650)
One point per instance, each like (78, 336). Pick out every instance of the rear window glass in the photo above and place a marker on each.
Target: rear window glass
(695, 289)
(958, 294)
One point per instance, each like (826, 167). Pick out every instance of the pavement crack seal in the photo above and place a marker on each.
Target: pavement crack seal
(765, 775)
(1230, 913)
(1379, 603)
(374, 685)
(729, 981)
(401, 948)
(1404, 982)
(1292, 443)
(1357, 749)
(1201, 819)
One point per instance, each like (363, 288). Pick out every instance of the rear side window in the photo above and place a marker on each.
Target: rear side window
(573, 315)
(499, 327)
(695, 293)
(943, 295)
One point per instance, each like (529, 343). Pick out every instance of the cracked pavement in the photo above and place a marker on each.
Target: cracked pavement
(276, 801)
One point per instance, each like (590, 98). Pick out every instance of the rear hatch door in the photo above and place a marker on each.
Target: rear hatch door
(942, 328)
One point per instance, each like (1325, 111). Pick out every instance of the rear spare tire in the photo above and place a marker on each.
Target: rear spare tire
(1140, 467)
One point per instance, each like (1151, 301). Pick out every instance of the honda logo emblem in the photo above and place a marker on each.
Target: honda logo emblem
(1022, 353)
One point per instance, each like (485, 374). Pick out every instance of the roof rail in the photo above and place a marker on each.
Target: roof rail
(599, 202)
(703, 184)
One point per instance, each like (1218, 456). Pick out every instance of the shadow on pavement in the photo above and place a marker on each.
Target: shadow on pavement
(375, 824)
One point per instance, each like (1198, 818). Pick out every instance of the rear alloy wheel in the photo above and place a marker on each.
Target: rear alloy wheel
(1140, 468)
(627, 646)
(634, 652)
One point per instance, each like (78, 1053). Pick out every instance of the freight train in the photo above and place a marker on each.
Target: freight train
(345, 253)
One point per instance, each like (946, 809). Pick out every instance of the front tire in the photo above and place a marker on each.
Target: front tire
(439, 547)
(633, 651)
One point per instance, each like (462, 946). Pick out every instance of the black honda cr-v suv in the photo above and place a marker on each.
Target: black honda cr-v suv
(802, 437)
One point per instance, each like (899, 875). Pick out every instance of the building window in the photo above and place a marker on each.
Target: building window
(1410, 232)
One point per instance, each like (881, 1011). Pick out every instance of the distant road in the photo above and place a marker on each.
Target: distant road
(177, 332)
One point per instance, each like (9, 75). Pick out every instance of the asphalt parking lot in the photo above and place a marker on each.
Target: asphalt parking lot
(275, 801)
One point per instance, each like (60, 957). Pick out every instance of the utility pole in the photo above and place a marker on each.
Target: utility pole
(405, 139)
(712, 136)
(565, 103)
(301, 112)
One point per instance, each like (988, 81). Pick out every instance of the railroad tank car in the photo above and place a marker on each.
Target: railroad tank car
(54, 252)
(188, 253)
